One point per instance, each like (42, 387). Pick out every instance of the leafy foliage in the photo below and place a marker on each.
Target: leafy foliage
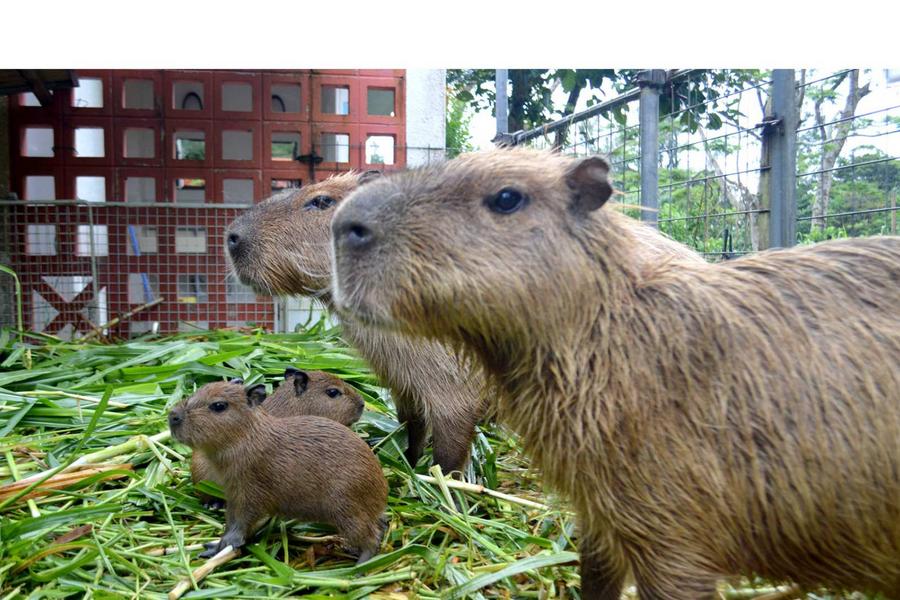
(102, 536)
(458, 139)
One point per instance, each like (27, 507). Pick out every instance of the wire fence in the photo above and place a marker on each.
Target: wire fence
(721, 153)
(728, 166)
(125, 268)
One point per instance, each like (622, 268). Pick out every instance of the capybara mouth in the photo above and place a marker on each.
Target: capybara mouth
(178, 433)
(268, 287)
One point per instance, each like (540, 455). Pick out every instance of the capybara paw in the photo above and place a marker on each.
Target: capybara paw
(212, 548)
(235, 540)
(364, 556)
(214, 504)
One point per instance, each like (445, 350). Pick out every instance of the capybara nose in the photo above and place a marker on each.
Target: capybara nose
(354, 236)
(175, 418)
(234, 244)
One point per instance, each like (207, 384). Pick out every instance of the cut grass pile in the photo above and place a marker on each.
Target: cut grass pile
(96, 500)
(129, 525)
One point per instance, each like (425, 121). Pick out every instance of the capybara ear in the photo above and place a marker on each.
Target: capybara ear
(301, 379)
(290, 372)
(236, 380)
(256, 394)
(588, 179)
(367, 176)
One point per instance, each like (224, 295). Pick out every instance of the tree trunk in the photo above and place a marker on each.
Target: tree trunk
(520, 89)
(832, 139)
(563, 133)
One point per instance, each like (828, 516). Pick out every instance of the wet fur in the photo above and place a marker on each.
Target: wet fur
(285, 401)
(706, 421)
(309, 468)
(290, 253)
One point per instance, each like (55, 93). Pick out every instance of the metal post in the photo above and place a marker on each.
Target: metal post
(94, 304)
(651, 82)
(894, 212)
(783, 161)
(502, 105)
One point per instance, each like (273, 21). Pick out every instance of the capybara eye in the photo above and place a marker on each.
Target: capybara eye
(506, 201)
(333, 392)
(319, 203)
(218, 406)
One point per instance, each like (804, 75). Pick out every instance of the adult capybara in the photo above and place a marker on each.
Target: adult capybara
(283, 246)
(315, 393)
(706, 420)
(308, 468)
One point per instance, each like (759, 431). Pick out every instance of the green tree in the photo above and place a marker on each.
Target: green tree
(531, 96)
(458, 138)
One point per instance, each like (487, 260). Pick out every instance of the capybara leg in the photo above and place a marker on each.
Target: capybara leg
(365, 555)
(675, 583)
(416, 427)
(364, 538)
(237, 528)
(201, 470)
(601, 576)
(452, 440)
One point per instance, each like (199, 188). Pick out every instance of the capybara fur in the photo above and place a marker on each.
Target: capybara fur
(706, 420)
(308, 468)
(283, 246)
(315, 393)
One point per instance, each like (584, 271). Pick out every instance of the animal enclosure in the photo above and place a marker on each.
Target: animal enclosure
(723, 156)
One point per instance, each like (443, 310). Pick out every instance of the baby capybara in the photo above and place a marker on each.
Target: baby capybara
(315, 393)
(283, 246)
(308, 468)
(706, 420)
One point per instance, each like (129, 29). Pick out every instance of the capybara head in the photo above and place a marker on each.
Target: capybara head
(315, 393)
(467, 243)
(283, 245)
(216, 414)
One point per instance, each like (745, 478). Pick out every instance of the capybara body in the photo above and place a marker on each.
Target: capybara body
(310, 393)
(309, 468)
(283, 246)
(706, 420)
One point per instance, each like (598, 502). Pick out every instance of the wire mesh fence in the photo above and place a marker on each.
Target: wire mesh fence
(155, 267)
(715, 158)
(719, 141)
(126, 268)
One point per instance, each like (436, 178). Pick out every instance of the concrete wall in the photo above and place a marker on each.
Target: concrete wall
(426, 98)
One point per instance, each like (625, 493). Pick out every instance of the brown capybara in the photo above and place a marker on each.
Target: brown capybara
(706, 420)
(315, 393)
(283, 246)
(308, 468)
